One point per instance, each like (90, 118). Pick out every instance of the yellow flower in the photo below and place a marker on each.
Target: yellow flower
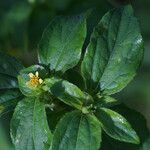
(35, 80)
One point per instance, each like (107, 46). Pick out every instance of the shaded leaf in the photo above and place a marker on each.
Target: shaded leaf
(106, 101)
(66, 92)
(9, 69)
(9, 65)
(8, 82)
(74, 77)
(8, 100)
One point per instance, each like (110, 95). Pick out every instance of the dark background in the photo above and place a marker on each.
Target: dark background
(23, 21)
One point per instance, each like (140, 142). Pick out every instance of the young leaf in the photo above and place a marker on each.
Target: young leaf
(61, 43)
(114, 53)
(29, 127)
(116, 126)
(77, 131)
(66, 92)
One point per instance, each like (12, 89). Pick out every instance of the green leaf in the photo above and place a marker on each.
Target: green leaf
(136, 119)
(8, 100)
(127, 50)
(61, 43)
(116, 126)
(66, 92)
(9, 65)
(95, 59)
(77, 131)
(138, 123)
(9, 69)
(8, 82)
(114, 53)
(106, 101)
(9, 93)
(29, 127)
(24, 78)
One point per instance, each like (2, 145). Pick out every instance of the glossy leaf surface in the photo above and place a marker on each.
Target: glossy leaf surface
(106, 101)
(66, 92)
(114, 53)
(61, 43)
(29, 127)
(77, 131)
(116, 126)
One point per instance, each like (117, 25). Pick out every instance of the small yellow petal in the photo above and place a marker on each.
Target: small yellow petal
(31, 75)
(37, 74)
(35, 80)
(40, 81)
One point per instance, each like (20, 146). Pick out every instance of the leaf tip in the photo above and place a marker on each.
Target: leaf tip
(137, 140)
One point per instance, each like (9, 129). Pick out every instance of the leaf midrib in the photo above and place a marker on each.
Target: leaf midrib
(116, 41)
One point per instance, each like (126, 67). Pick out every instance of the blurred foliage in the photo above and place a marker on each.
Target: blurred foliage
(3, 141)
(23, 21)
(4, 144)
(146, 145)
